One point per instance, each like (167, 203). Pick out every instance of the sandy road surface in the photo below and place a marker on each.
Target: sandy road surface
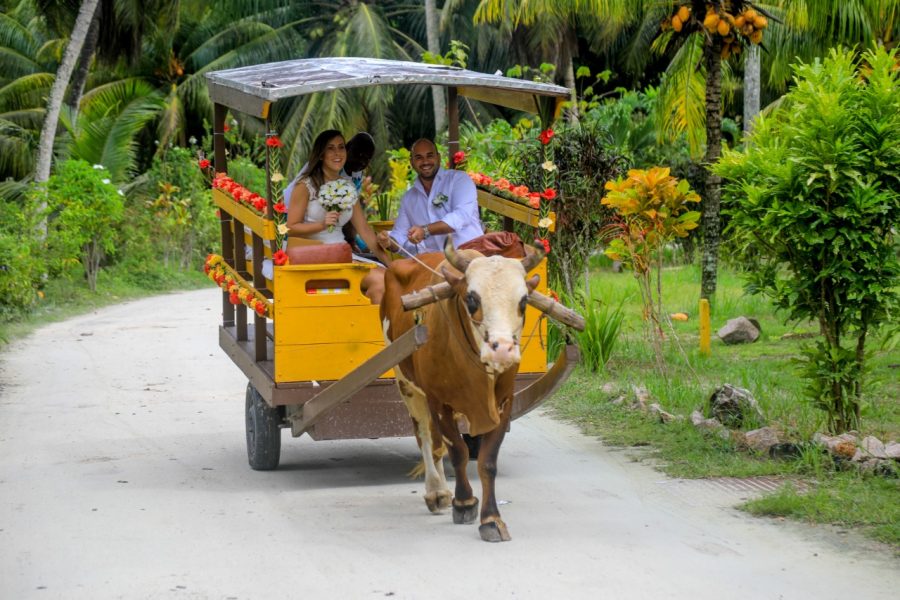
(123, 475)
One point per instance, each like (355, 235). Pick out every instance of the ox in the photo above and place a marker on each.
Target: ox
(467, 368)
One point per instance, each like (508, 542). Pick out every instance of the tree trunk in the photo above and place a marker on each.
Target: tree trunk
(63, 75)
(751, 87)
(569, 75)
(712, 57)
(79, 77)
(432, 32)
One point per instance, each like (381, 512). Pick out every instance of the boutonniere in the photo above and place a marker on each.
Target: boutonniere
(440, 200)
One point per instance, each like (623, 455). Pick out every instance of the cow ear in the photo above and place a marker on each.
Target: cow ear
(451, 276)
(532, 283)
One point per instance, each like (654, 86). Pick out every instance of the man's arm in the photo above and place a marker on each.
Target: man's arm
(463, 204)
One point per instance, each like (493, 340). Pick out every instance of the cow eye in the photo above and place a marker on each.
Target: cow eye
(522, 303)
(473, 302)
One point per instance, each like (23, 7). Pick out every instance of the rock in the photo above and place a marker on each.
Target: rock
(734, 406)
(641, 397)
(873, 447)
(711, 425)
(892, 449)
(841, 446)
(617, 266)
(618, 401)
(665, 417)
(610, 389)
(739, 331)
(755, 324)
(762, 439)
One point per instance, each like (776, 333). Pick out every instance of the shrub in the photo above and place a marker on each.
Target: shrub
(85, 211)
(22, 263)
(816, 195)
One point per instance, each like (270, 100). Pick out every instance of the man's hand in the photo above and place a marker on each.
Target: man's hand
(416, 234)
(384, 239)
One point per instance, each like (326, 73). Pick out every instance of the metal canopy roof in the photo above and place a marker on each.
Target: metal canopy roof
(252, 89)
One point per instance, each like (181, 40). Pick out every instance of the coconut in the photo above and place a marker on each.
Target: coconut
(723, 28)
(684, 13)
(676, 23)
(760, 22)
(711, 21)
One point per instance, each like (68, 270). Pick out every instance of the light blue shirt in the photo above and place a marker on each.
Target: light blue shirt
(459, 210)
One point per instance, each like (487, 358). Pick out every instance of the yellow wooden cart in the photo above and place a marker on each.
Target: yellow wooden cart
(309, 342)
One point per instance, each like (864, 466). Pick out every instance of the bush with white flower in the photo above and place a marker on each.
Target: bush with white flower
(84, 213)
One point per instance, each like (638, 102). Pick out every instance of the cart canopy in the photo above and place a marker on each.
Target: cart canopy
(254, 88)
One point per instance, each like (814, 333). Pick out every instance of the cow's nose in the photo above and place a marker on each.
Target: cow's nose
(504, 353)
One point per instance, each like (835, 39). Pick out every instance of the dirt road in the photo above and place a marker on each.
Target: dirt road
(123, 474)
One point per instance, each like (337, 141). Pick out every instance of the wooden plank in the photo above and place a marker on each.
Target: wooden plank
(513, 210)
(291, 285)
(317, 362)
(327, 325)
(532, 396)
(356, 380)
(264, 228)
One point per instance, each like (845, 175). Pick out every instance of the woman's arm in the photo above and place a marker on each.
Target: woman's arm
(358, 218)
(297, 212)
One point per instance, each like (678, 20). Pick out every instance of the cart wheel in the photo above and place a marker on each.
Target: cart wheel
(263, 432)
(474, 444)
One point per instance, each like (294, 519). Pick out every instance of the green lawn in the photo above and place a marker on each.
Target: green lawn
(766, 369)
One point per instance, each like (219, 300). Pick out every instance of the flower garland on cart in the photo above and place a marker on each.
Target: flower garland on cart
(239, 291)
(521, 194)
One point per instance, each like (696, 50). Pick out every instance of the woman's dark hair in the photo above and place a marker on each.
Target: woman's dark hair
(313, 168)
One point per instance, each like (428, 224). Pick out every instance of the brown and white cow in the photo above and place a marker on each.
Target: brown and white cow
(466, 369)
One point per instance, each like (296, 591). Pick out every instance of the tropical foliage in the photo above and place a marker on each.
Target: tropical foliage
(816, 197)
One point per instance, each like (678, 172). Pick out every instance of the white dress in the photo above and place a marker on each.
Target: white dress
(315, 213)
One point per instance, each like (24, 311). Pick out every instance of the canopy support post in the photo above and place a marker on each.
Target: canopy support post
(453, 122)
(221, 166)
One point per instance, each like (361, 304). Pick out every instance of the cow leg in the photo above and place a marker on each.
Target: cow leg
(437, 494)
(465, 504)
(492, 528)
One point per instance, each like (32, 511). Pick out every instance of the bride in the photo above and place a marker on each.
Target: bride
(309, 218)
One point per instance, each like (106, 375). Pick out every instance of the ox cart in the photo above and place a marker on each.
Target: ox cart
(309, 342)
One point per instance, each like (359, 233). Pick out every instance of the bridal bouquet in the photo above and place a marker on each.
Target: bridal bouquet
(337, 195)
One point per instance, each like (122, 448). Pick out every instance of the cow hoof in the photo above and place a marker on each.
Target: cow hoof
(438, 501)
(465, 512)
(495, 531)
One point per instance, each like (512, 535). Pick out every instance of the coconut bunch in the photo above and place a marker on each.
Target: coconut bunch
(744, 23)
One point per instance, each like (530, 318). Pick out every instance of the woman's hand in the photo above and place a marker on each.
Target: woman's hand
(331, 218)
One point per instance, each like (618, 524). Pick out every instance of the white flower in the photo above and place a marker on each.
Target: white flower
(337, 195)
(98, 166)
(192, 140)
(282, 229)
(549, 166)
(121, 193)
(107, 181)
(277, 177)
(545, 223)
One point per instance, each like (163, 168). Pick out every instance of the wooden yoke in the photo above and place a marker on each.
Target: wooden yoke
(545, 304)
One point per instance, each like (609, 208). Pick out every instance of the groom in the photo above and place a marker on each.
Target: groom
(441, 201)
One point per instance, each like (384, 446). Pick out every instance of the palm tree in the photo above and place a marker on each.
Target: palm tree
(58, 90)
(432, 26)
(553, 26)
(27, 64)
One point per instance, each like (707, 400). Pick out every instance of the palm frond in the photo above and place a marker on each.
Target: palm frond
(681, 101)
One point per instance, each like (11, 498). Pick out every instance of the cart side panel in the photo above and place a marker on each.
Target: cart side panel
(534, 339)
(324, 326)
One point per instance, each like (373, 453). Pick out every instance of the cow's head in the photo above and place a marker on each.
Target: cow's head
(495, 293)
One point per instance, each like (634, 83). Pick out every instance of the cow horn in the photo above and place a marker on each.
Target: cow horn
(532, 260)
(459, 262)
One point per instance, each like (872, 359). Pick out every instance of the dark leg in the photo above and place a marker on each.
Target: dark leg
(465, 505)
(492, 528)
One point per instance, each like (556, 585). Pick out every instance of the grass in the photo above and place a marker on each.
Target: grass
(69, 297)
(766, 369)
